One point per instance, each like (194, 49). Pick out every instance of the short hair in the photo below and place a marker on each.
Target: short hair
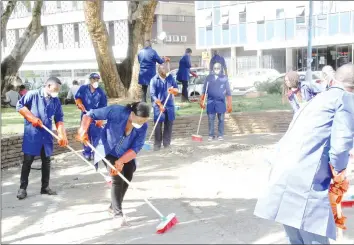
(188, 50)
(75, 82)
(10, 87)
(54, 79)
(345, 75)
(22, 87)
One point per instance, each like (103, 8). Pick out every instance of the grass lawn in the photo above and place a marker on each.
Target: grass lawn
(12, 122)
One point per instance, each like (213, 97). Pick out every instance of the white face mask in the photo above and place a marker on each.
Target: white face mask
(54, 94)
(293, 89)
(137, 126)
(95, 85)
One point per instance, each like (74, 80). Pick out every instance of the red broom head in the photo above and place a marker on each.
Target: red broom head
(197, 138)
(168, 224)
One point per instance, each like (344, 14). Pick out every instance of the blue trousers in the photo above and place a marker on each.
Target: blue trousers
(297, 236)
(93, 134)
(211, 120)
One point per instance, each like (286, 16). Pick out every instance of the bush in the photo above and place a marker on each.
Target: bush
(64, 90)
(270, 86)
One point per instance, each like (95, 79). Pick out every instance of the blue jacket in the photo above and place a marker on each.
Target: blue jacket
(158, 90)
(148, 58)
(185, 65)
(307, 93)
(321, 133)
(218, 89)
(217, 59)
(112, 139)
(34, 138)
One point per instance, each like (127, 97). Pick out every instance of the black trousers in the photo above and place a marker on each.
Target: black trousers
(119, 187)
(184, 90)
(164, 137)
(69, 101)
(145, 89)
(26, 168)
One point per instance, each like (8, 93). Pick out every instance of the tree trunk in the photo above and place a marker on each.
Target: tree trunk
(141, 17)
(93, 10)
(12, 63)
(5, 15)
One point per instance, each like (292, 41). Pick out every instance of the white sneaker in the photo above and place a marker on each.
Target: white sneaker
(220, 138)
(210, 138)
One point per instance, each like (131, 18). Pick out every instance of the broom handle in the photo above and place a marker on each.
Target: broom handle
(339, 215)
(108, 163)
(157, 121)
(201, 112)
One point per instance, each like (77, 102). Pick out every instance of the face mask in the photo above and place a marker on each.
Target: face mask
(137, 126)
(293, 89)
(54, 94)
(95, 85)
(217, 72)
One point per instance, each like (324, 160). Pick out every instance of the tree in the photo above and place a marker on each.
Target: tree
(5, 15)
(140, 20)
(12, 63)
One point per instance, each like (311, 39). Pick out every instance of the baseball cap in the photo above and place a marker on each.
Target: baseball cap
(94, 76)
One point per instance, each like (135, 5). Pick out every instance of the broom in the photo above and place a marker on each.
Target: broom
(197, 137)
(167, 222)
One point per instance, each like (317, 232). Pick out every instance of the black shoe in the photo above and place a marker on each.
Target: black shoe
(21, 194)
(156, 148)
(48, 191)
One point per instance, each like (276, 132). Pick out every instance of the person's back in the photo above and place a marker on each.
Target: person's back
(12, 96)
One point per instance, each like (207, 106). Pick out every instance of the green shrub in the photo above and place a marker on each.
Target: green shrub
(270, 86)
(64, 90)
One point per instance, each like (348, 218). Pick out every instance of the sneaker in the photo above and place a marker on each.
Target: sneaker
(210, 138)
(48, 191)
(21, 194)
(220, 138)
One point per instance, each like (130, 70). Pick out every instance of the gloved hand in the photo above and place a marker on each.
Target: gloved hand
(167, 59)
(80, 105)
(119, 166)
(229, 104)
(125, 158)
(201, 103)
(63, 141)
(28, 115)
(194, 74)
(173, 90)
(82, 135)
(158, 102)
(99, 123)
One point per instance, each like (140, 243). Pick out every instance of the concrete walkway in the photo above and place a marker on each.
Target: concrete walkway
(211, 186)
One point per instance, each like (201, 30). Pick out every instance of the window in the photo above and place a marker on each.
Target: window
(345, 22)
(289, 29)
(269, 30)
(280, 14)
(172, 18)
(60, 33)
(242, 17)
(217, 16)
(260, 31)
(59, 4)
(209, 20)
(165, 17)
(183, 39)
(224, 21)
(333, 24)
(45, 36)
(189, 19)
(111, 32)
(300, 15)
(180, 18)
(217, 35)
(76, 33)
(74, 4)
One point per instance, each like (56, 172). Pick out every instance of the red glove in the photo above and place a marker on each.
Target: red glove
(173, 91)
(119, 164)
(63, 141)
(28, 115)
(167, 59)
(194, 74)
(229, 104)
(82, 135)
(99, 123)
(158, 102)
(80, 105)
(201, 103)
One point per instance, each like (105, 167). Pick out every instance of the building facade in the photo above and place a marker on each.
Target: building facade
(273, 34)
(65, 48)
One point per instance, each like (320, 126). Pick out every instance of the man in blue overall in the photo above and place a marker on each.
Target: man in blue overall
(162, 85)
(218, 59)
(218, 89)
(88, 97)
(184, 72)
(38, 107)
(148, 58)
(313, 151)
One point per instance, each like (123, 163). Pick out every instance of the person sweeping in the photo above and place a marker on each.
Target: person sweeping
(218, 91)
(313, 153)
(162, 85)
(120, 141)
(38, 107)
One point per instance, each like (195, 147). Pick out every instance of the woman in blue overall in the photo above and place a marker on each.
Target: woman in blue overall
(88, 97)
(313, 151)
(120, 141)
(218, 89)
(162, 85)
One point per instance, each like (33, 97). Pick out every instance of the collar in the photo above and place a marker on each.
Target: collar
(163, 80)
(42, 93)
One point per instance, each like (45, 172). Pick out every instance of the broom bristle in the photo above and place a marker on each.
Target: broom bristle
(167, 226)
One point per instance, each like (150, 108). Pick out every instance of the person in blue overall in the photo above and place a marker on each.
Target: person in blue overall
(120, 141)
(313, 151)
(162, 85)
(148, 58)
(218, 89)
(184, 72)
(91, 96)
(38, 107)
(218, 59)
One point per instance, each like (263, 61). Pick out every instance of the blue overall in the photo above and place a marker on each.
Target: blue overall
(112, 139)
(91, 100)
(218, 89)
(297, 193)
(217, 59)
(35, 138)
(148, 58)
(158, 90)
(183, 73)
(307, 93)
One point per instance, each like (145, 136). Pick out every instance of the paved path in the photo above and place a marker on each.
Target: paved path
(203, 183)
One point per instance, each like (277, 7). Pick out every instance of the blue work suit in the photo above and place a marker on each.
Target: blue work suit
(307, 93)
(217, 59)
(218, 89)
(91, 100)
(183, 74)
(36, 138)
(148, 58)
(297, 193)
